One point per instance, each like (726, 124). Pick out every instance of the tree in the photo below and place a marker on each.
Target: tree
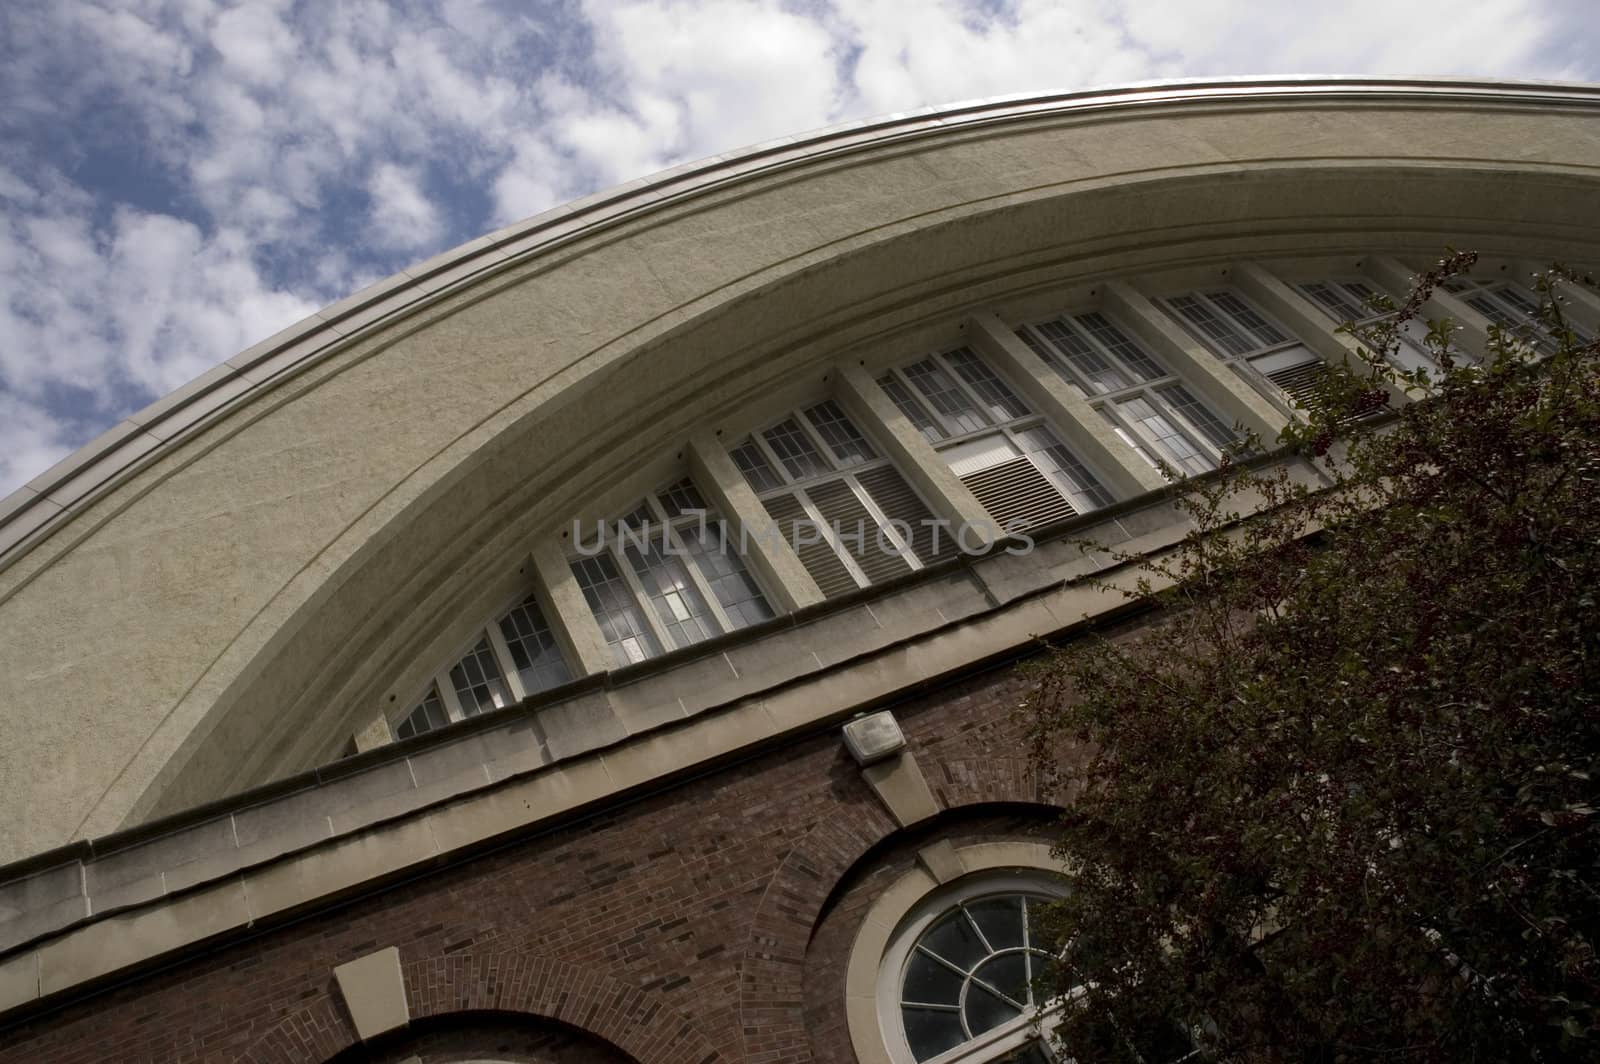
(1333, 795)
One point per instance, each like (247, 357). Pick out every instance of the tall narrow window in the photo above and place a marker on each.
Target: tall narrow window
(533, 647)
(1512, 307)
(621, 621)
(850, 516)
(1354, 302)
(667, 575)
(1133, 391)
(1004, 453)
(1283, 369)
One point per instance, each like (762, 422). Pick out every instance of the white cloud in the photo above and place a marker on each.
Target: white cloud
(255, 43)
(402, 217)
(280, 153)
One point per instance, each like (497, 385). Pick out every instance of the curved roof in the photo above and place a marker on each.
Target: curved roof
(210, 594)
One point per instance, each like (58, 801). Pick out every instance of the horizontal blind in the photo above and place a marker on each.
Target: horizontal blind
(832, 578)
(889, 490)
(1016, 491)
(840, 508)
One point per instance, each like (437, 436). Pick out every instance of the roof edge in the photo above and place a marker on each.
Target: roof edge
(32, 512)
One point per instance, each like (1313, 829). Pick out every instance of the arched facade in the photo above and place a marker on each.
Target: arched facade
(318, 627)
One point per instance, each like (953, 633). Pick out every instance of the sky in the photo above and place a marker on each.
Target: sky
(182, 178)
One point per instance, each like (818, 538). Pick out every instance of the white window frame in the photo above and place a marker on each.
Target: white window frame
(665, 534)
(1108, 403)
(1412, 334)
(1010, 430)
(837, 470)
(440, 684)
(891, 975)
(1245, 363)
(1523, 324)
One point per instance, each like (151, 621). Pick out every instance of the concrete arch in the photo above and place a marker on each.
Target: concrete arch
(296, 558)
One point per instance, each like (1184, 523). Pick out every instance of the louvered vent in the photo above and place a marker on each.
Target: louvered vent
(824, 566)
(1300, 383)
(1303, 384)
(1017, 491)
(899, 503)
(839, 506)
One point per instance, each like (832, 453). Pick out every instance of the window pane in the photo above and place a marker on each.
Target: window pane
(1006, 973)
(1244, 314)
(680, 497)
(1209, 424)
(477, 681)
(912, 409)
(724, 570)
(614, 608)
(1222, 335)
(1002, 401)
(842, 437)
(794, 450)
(1100, 374)
(945, 397)
(753, 464)
(985, 1010)
(1000, 920)
(930, 982)
(533, 647)
(1064, 468)
(1120, 344)
(678, 605)
(1171, 444)
(954, 939)
(930, 1032)
(428, 716)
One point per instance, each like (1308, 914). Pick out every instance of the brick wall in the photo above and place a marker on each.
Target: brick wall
(682, 927)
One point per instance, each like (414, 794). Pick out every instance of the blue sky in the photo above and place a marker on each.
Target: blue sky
(182, 178)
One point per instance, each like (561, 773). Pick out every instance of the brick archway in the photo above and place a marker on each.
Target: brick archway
(771, 992)
(508, 983)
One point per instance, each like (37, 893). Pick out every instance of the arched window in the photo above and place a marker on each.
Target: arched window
(962, 977)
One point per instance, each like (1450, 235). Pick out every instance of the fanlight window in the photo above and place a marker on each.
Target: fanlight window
(514, 656)
(1006, 454)
(972, 972)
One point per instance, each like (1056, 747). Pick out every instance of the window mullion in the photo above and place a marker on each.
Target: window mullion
(831, 540)
(647, 607)
(984, 408)
(776, 463)
(447, 694)
(698, 579)
(804, 421)
(908, 556)
(508, 665)
(951, 429)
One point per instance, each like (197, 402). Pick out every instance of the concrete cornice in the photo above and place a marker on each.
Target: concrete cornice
(31, 513)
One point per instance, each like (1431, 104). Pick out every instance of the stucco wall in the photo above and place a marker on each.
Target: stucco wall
(256, 589)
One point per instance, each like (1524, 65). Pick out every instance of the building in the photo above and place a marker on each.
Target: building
(335, 731)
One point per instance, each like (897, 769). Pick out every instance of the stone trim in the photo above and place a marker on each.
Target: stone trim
(374, 992)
